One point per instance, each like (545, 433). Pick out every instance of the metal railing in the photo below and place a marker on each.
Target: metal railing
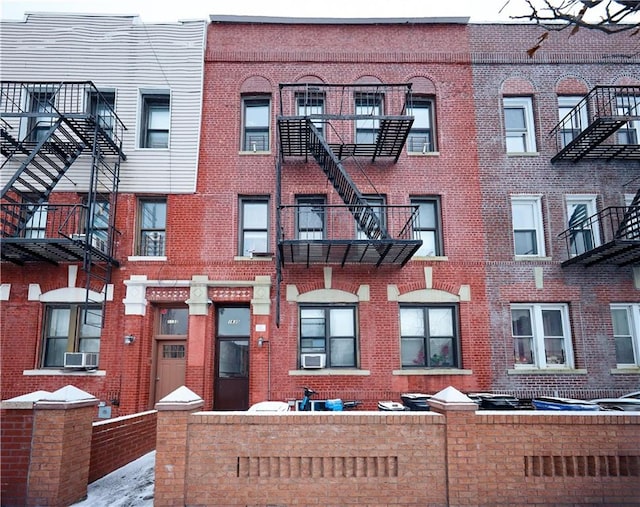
(53, 221)
(610, 224)
(603, 102)
(48, 101)
(336, 222)
(344, 101)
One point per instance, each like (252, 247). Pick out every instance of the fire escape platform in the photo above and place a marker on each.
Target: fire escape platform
(619, 241)
(392, 135)
(51, 250)
(603, 125)
(618, 252)
(378, 253)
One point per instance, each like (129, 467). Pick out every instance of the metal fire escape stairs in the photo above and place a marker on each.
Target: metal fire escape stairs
(363, 213)
(40, 160)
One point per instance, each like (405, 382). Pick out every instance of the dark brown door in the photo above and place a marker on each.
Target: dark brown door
(171, 362)
(231, 389)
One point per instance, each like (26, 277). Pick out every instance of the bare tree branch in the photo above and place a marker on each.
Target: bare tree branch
(616, 16)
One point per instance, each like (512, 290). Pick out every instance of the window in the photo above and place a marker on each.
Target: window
(421, 138)
(429, 336)
(310, 217)
(576, 122)
(330, 330)
(377, 203)
(428, 227)
(152, 227)
(174, 321)
(102, 105)
(36, 220)
(626, 332)
(68, 329)
(629, 105)
(311, 105)
(527, 226)
(518, 122)
(254, 225)
(155, 120)
(40, 101)
(368, 104)
(541, 336)
(585, 234)
(256, 120)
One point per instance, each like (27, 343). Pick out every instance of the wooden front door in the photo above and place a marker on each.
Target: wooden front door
(231, 388)
(171, 363)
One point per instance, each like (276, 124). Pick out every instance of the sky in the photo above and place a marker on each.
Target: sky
(156, 11)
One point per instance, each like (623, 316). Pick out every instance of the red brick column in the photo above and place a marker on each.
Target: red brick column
(16, 430)
(460, 449)
(171, 446)
(59, 427)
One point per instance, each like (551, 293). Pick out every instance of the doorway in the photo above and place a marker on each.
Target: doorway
(170, 351)
(231, 382)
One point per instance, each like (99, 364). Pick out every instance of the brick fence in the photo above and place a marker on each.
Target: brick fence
(51, 449)
(116, 442)
(453, 455)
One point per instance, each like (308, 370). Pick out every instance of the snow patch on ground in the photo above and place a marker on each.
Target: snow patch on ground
(129, 486)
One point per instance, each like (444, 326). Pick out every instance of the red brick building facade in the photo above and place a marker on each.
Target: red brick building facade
(327, 150)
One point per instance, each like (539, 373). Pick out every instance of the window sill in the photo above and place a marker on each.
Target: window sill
(320, 372)
(142, 148)
(64, 373)
(254, 152)
(520, 258)
(425, 154)
(433, 371)
(434, 258)
(523, 154)
(146, 258)
(626, 370)
(546, 371)
(242, 258)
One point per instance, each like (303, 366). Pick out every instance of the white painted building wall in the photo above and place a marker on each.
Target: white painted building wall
(119, 53)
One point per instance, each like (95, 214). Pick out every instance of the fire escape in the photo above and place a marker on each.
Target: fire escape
(603, 125)
(45, 128)
(332, 123)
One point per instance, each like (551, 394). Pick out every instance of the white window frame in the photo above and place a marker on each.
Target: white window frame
(628, 105)
(577, 123)
(535, 202)
(539, 360)
(633, 321)
(527, 134)
(590, 201)
(151, 240)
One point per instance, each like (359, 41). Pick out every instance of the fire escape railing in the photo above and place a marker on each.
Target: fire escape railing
(586, 131)
(613, 234)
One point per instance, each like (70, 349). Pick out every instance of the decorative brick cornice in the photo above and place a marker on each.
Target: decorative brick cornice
(475, 58)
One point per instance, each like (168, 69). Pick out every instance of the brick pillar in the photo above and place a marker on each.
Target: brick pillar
(57, 472)
(16, 430)
(461, 438)
(171, 446)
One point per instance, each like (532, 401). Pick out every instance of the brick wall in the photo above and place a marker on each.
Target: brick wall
(15, 438)
(455, 456)
(119, 441)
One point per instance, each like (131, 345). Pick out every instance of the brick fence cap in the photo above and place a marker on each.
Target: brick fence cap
(25, 400)
(452, 395)
(69, 394)
(181, 395)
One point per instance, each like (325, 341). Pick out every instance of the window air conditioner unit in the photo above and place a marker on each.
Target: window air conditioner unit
(309, 361)
(81, 360)
(99, 243)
